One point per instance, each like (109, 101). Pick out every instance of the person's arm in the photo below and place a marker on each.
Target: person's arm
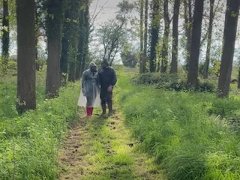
(98, 80)
(83, 82)
(114, 78)
(113, 81)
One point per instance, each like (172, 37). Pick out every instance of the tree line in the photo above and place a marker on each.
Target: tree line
(165, 17)
(66, 26)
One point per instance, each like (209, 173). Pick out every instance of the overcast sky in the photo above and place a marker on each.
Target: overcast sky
(107, 9)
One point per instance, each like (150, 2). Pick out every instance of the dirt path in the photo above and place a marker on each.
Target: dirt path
(102, 149)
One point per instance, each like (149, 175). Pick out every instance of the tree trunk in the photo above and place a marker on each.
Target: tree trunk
(63, 59)
(145, 37)
(26, 77)
(209, 40)
(37, 31)
(195, 47)
(164, 58)
(54, 45)
(5, 35)
(64, 66)
(174, 64)
(230, 31)
(155, 26)
(83, 50)
(65, 45)
(188, 29)
(73, 38)
(239, 77)
(141, 35)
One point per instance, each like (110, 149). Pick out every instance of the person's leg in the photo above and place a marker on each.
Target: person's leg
(88, 113)
(104, 106)
(91, 111)
(109, 103)
(89, 108)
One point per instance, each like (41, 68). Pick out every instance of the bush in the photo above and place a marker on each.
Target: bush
(12, 65)
(177, 86)
(227, 109)
(147, 78)
(129, 59)
(224, 107)
(183, 86)
(155, 79)
(171, 82)
(206, 87)
(40, 64)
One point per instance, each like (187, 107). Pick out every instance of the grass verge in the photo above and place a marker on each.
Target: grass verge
(29, 143)
(178, 131)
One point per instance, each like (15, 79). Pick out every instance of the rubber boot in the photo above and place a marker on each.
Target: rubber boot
(88, 110)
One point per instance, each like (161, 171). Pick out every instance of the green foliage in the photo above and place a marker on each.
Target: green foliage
(110, 35)
(227, 109)
(129, 58)
(171, 82)
(215, 69)
(186, 167)
(206, 87)
(183, 86)
(40, 63)
(224, 107)
(28, 148)
(12, 65)
(155, 78)
(176, 129)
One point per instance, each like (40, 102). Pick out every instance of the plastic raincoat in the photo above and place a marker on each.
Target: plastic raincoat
(89, 95)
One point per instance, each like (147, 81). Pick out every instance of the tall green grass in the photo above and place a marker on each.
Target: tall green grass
(178, 130)
(29, 143)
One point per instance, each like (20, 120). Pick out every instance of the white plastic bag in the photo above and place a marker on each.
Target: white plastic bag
(82, 100)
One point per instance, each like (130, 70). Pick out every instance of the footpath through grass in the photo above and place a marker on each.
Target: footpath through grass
(190, 135)
(187, 133)
(100, 148)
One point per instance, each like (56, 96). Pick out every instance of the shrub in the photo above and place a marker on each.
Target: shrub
(129, 59)
(206, 87)
(160, 80)
(177, 86)
(40, 64)
(171, 82)
(12, 65)
(224, 107)
(147, 78)
(183, 86)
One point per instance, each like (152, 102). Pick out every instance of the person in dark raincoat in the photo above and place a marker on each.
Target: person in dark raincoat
(90, 87)
(107, 80)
